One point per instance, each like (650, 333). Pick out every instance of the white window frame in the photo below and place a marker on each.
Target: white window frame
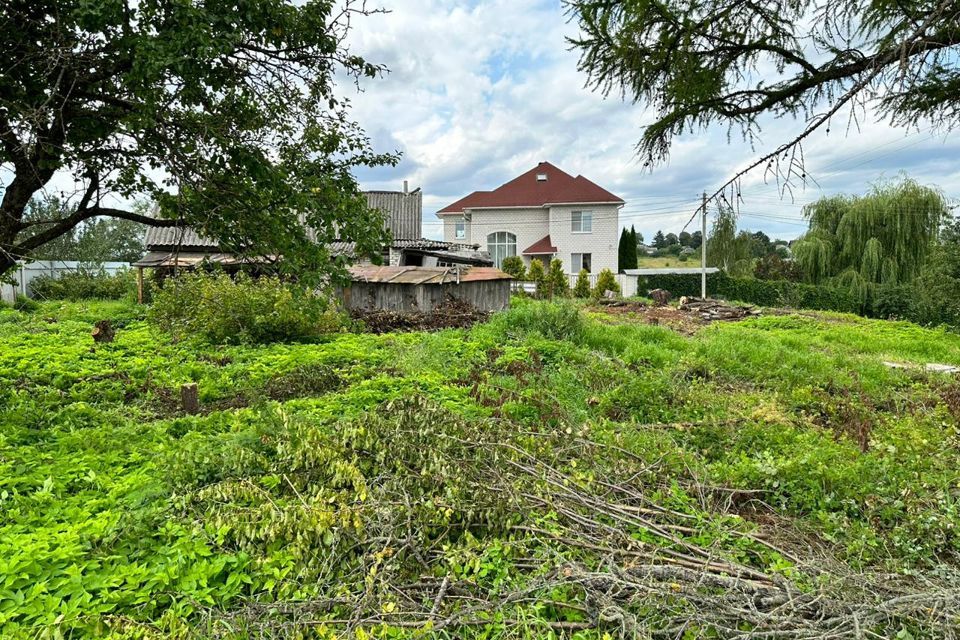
(581, 222)
(501, 244)
(460, 229)
(576, 262)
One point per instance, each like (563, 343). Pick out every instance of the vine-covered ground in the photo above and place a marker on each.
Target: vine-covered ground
(553, 472)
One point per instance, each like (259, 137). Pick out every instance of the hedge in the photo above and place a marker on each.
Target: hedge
(766, 293)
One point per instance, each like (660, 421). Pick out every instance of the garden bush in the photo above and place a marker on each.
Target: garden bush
(582, 288)
(85, 284)
(513, 266)
(25, 304)
(241, 310)
(767, 293)
(606, 282)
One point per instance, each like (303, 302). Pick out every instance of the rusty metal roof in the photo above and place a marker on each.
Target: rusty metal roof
(425, 275)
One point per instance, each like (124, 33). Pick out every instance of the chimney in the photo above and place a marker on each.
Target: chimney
(404, 186)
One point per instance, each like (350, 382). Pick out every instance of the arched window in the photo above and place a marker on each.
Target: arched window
(501, 244)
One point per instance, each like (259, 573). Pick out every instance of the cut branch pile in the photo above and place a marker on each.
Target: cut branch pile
(483, 524)
(712, 310)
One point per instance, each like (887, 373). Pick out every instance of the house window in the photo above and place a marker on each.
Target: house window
(582, 222)
(581, 261)
(460, 229)
(501, 244)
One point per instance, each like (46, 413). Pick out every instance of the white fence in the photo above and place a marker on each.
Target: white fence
(628, 283)
(28, 271)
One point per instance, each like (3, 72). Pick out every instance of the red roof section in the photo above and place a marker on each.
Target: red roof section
(527, 191)
(540, 247)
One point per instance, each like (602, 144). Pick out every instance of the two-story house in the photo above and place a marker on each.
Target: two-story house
(543, 214)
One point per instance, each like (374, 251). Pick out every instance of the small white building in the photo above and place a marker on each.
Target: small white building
(543, 214)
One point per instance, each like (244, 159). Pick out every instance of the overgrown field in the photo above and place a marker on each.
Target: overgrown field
(552, 472)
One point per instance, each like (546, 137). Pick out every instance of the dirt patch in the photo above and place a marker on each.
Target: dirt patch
(451, 314)
(687, 318)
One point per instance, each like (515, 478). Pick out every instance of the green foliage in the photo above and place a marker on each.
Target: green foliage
(85, 284)
(774, 267)
(220, 309)
(727, 249)
(320, 478)
(537, 274)
(558, 283)
(770, 293)
(883, 237)
(25, 304)
(582, 287)
(92, 242)
(224, 115)
(560, 320)
(680, 61)
(513, 265)
(932, 298)
(606, 281)
(627, 250)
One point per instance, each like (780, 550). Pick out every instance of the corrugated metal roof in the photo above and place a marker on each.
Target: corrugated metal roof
(403, 219)
(183, 237)
(404, 211)
(424, 243)
(192, 258)
(181, 258)
(425, 275)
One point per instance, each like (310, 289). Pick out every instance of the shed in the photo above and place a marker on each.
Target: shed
(423, 289)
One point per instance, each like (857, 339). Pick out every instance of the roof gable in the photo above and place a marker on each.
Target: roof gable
(528, 190)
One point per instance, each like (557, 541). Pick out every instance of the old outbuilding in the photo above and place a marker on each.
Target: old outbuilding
(409, 289)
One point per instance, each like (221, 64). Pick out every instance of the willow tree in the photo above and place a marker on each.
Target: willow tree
(704, 62)
(223, 113)
(882, 237)
(726, 248)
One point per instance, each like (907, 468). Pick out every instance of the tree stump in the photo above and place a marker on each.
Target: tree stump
(103, 331)
(660, 296)
(190, 398)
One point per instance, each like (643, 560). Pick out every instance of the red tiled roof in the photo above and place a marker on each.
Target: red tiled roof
(540, 247)
(527, 191)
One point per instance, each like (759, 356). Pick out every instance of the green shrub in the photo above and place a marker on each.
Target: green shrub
(767, 293)
(606, 282)
(242, 310)
(25, 304)
(537, 275)
(582, 288)
(557, 281)
(84, 285)
(513, 266)
(560, 320)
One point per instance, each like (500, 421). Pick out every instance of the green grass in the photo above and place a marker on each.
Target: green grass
(339, 470)
(659, 262)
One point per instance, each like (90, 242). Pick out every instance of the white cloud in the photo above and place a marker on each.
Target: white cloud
(480, 91)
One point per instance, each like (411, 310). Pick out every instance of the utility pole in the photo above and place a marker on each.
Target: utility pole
(703, 248)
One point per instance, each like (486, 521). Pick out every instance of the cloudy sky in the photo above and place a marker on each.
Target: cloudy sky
(480, 91)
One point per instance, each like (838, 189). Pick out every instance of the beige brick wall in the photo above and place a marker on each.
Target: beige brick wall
(601, 242)
(529, 225)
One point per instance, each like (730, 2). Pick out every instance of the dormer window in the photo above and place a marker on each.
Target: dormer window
(541, 177)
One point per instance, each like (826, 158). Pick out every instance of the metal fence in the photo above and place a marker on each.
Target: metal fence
(27, 272)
